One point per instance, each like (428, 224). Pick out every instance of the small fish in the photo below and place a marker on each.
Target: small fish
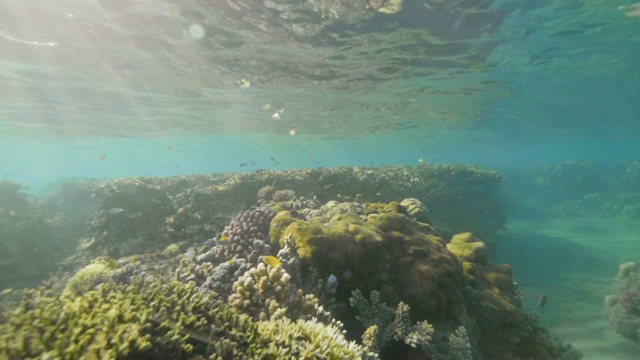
(292, 132)
(135, 215)
(275, 116)
(272, 159)
(542, 300)
(420, 161)
(231, 262)
(266, 106)
(271, 261)
(115, 211)
(244, 83)
(224, 238)
(134, 259)
(243, 164)
(102, 157)
(332, 284)
(169, 147)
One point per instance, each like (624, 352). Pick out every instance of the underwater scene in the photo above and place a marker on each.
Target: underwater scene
(320, 179)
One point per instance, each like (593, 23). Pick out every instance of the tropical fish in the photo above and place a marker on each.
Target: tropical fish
(542, 300)
(332, 284)
(271, 260)
(224, 238)
(102, 157)
(244, 83)
(115, 210)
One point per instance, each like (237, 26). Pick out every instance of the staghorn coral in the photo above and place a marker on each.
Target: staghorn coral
(384, 325)
(311, 339)
(154, 319)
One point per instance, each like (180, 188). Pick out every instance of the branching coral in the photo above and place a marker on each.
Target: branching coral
(245, 236)
(142, 320)
(267, 293)
(459, 346)
(310, 339)
(385, 325)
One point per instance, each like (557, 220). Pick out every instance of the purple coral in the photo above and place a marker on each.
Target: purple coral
(246, 236)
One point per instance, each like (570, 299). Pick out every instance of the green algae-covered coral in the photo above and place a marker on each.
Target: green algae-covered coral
(310, 339)
(143, 320)
(377, 246)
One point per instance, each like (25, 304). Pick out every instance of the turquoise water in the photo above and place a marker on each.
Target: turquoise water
(110, 89)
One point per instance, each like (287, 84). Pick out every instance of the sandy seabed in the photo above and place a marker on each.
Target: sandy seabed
(572, 261)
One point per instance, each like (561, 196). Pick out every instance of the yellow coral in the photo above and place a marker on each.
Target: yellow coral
(391, 7)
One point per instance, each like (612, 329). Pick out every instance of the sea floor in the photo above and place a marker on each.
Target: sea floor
(572, 261)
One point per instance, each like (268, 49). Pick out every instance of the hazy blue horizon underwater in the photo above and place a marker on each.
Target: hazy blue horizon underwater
(35, 163)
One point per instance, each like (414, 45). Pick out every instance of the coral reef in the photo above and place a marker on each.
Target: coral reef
(267, 293)
(99, 271)
(384, 324)
(578, 189)
(459, 346)
(373, 247)
(313, 340)
(29, 247)
(143, 320)
(278, 280)
(623, 304)
(245, 236)
(494, 303)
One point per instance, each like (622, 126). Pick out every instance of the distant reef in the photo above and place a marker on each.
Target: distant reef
(576, 189)
(342, 263)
